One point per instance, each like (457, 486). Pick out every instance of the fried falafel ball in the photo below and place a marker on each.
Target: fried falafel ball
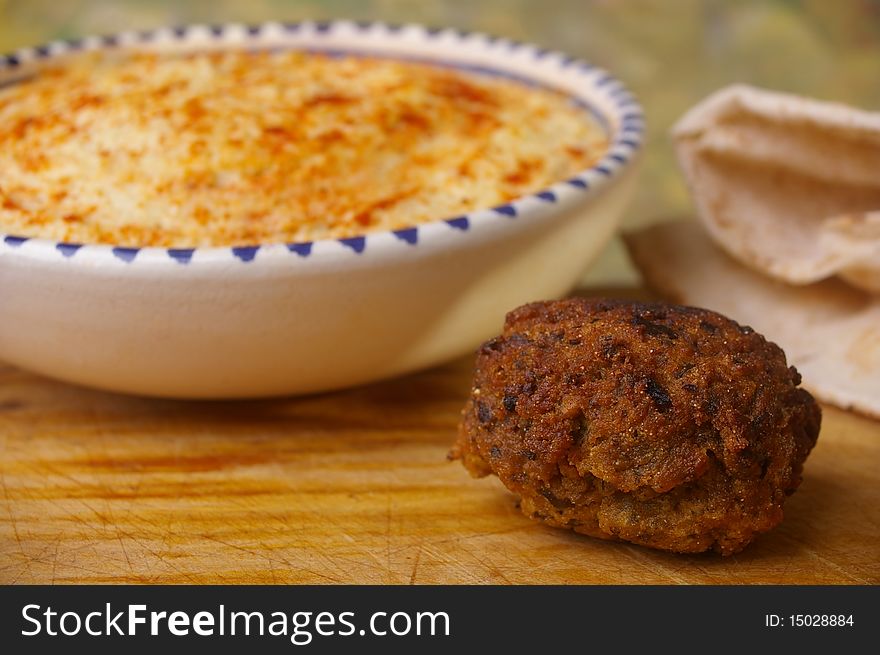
(666, 426)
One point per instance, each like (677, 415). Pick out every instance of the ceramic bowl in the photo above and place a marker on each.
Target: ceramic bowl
(262, 320)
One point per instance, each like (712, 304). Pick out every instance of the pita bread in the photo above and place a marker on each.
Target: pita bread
(829, 330)
(786, 185)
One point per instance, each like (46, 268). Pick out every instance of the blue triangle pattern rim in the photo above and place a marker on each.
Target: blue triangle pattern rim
(245, 253)
(15, 241)
(125, 254)
(410, 235)
(459, 223)
(506, 210)
(303, 249)
(68, 249)
(181, 255)
(358, 244)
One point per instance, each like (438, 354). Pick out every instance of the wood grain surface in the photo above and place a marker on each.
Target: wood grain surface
(350, 487)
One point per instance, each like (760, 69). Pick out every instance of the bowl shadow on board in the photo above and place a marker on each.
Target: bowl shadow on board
(405, 402)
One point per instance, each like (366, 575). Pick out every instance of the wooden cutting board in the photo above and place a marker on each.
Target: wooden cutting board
(350, 487)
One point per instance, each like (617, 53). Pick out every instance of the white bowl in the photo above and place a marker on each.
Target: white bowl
(307, 317)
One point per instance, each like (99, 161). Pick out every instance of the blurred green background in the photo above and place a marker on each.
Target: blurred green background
(670, 52)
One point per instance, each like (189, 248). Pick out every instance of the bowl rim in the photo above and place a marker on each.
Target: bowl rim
(622, 118)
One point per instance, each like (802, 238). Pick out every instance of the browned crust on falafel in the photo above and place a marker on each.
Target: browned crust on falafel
(666, 426)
